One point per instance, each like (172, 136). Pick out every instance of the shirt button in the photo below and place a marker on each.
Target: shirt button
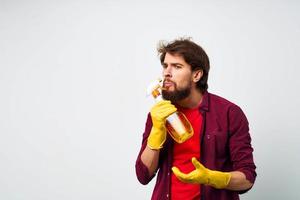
(168, 173)
(167, 195)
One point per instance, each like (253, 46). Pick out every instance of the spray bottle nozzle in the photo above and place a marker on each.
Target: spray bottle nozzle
(154, 85)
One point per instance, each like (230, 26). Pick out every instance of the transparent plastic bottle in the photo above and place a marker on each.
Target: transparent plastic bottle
(177, 125)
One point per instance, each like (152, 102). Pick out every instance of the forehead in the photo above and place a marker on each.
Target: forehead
(175, 58)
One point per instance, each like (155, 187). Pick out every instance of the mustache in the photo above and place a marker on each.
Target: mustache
(168, 81)
(164, 87)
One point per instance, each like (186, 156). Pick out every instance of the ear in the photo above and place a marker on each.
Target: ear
(197, 75)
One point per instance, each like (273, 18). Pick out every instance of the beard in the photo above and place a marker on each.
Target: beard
(177, 94)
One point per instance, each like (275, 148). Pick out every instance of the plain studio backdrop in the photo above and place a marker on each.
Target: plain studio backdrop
(73, 79)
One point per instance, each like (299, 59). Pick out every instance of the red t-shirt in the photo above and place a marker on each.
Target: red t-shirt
(182, 158)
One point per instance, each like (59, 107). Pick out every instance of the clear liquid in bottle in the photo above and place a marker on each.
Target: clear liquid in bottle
(177, 125)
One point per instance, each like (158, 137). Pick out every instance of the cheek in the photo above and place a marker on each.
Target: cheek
(183, 82)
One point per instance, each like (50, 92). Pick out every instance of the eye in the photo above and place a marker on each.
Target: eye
(178, 66)
(164, 66)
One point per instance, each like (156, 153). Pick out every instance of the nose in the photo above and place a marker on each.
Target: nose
(167, 72)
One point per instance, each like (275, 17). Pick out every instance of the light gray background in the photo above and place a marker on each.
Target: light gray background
(73, 78)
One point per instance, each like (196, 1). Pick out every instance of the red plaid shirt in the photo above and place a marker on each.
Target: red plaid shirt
(225, 146)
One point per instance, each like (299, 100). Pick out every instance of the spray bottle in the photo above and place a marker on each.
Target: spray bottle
(177, 124)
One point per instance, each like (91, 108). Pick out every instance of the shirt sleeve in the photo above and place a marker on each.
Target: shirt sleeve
(141, 170)
(241, 151)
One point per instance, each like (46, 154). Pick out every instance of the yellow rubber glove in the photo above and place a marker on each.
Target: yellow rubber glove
(202, 175)
(159, 113)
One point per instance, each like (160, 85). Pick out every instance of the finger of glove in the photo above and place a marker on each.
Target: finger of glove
(163, 112)
(197, 164)
(162, 104)
(182, 176)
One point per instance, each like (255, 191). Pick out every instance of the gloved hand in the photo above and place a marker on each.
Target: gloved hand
(159, 113)
(202, 175)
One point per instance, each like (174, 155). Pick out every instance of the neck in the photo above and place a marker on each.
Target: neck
(192, 101)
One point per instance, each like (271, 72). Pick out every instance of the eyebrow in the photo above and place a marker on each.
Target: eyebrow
(173, 64)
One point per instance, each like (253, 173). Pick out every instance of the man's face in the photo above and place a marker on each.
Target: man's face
(177, 78)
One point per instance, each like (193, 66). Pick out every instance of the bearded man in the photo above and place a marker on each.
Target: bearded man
(216, 163)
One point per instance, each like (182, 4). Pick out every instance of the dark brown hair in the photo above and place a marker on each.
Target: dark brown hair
(192, 53)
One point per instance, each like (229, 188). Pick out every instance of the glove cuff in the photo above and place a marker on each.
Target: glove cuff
(219, 179)
(156, 138)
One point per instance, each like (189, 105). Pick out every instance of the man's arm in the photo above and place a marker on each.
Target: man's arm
(241, 151)
(157, 137)
(142, 171)
(150, 158)
(221, 180)
(153, 140)
(238, 182)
